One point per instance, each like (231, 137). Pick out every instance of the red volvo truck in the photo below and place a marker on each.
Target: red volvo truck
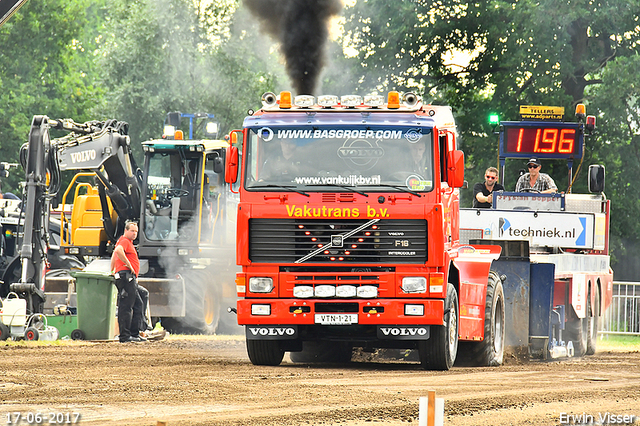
(348, 234)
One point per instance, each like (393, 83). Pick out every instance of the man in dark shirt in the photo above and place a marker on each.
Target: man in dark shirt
(483, 191)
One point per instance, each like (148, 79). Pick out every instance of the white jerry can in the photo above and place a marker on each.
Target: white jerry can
(14, 311)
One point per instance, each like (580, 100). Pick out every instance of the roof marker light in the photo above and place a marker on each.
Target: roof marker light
(393, 100)
(285, 99)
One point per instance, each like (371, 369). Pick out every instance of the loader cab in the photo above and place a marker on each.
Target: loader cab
(183, 184)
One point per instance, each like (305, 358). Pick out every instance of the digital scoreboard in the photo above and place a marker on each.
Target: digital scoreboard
(541, 139)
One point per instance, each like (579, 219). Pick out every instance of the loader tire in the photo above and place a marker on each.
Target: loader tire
(265, 352)
(203, 306)
(594, 320)
(323, 352)
(490, 351)
(439, 351)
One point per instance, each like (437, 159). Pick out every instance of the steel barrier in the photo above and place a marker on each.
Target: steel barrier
(623, 315)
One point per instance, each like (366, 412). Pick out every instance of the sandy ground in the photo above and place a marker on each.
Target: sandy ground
(200, 380)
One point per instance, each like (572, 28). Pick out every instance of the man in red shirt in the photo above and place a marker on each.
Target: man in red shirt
(125, 267)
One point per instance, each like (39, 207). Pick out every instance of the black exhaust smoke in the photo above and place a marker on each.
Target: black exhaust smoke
(301, 28)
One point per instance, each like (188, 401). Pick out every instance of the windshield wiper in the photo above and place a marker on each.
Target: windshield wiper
(401, 188)
(287, 187)
(350, 188)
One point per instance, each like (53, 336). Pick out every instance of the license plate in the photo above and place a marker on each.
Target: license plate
(336, 319)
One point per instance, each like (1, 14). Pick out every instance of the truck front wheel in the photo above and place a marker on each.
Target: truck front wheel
(439, 352)
(491, 349)
(265, 352)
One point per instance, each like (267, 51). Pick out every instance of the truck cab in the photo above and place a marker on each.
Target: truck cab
(348, 229)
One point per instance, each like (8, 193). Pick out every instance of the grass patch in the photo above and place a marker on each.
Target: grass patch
(622, 343)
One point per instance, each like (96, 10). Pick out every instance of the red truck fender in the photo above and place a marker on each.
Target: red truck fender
(473, 264)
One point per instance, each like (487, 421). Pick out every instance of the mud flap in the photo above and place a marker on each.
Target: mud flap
(516, 287)
(542, 277)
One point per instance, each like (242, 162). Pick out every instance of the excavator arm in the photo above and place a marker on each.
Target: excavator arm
(101, 147)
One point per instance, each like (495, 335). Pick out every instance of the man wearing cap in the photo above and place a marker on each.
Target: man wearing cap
(534, 181)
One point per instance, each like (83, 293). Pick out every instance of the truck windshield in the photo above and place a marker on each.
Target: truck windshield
(336, 159)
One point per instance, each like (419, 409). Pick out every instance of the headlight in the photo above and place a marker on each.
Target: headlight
(327, 101)
(304, 101)
(367, 291)
(374, 100)
(414, 284)
(351, 100)
(325, 291)
(346, 291)
(260, 309)
(260, 284)
(303, 291)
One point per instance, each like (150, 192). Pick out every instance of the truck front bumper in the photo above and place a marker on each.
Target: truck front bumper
(342, 312)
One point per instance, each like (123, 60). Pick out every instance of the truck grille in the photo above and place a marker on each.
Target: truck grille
(290, 240)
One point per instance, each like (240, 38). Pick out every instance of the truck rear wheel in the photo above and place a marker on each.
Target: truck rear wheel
(439, 351)
(265, 352)
(577, 330)
(594, 320)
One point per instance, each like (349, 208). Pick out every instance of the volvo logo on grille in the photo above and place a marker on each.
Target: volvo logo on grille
(337, 240)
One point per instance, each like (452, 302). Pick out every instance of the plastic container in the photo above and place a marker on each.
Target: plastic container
(64, 323)
(97, 294)
(14, 311)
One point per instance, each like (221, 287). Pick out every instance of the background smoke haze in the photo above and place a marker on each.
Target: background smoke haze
(301, 27)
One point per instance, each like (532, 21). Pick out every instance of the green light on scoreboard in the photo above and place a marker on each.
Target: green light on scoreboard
(494, 119)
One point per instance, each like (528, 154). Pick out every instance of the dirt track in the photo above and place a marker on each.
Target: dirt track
(210, 381)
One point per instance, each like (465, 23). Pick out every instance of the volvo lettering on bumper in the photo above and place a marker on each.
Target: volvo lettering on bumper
(407, 332)
(271, 332)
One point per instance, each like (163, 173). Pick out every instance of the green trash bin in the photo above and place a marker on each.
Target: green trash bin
(97, 295)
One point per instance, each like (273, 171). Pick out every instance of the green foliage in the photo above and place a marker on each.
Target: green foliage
(174, 55)
(527, 52)
(46, 68)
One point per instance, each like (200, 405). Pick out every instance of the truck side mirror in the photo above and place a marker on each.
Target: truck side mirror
(231, 170)
(596, 178)
(218, 165)
(455, 163)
